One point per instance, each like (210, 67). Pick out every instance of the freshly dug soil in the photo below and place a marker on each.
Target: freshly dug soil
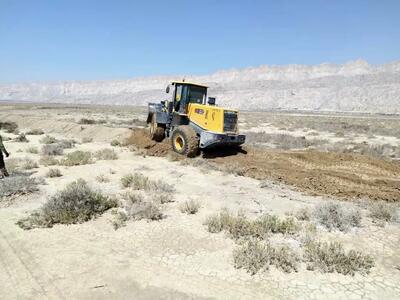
(318, 173)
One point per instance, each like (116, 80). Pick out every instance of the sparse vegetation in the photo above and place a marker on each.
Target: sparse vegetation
(77, 158)
(335, 215)
(52, 149)
(382, 212)
(239, 226)
(47, 139)
(138, 181)
(33, 150)
(35, 132)
(21, 138)
(66, 144)
(189, 207)
(303, 214)
(48, 161)
(102, 178)
(282, 141)
(10, 127)
(106, 154)
(331, 257)
(255, 256)
(76, 203)
(18, 185)
(115, 143)
(28, 164)
(51, 173)
(85, 121)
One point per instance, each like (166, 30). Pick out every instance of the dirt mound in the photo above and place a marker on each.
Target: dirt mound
(141, 139)
(318, 173)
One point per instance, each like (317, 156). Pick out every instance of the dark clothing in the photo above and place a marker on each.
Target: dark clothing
(2, 165)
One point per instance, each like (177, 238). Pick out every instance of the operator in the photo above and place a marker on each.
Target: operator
(3, 170)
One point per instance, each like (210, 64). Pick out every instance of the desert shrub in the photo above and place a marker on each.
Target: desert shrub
(303, 214)
(115, 143)
(77, 158)
(333, 215)
(52, 149)
(10, 127)
(28, 164)
(106, 154)
(102, 178)
(51, 173)
(76, 203)
(87, 140)
(47, 139)
(21, 138)
(32, 150)
(163, 198)
(86, 121)
(48, 161)
(138, 181)
(18, 185)
(66, 144)
(190, 207)
(331, 257)
(35, 132)
(382, 212)
(239, 226)
(255, 256)
(137, 207)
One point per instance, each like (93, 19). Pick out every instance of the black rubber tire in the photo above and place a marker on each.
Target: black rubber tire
(189, 138)
(157, 132)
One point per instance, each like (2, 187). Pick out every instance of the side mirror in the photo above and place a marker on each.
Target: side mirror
(211, 101)
(167, 89)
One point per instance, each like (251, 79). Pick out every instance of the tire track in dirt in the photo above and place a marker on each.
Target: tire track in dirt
(26, 275)
(340, 175)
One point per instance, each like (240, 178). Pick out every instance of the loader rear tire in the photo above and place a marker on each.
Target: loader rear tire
(185, 141)
(157, 132)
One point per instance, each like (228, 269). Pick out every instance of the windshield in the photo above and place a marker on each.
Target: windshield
(197, 94)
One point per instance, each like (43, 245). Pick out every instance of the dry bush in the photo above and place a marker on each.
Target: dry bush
(51, 173)
(115, 143)
(106, 154)
(190, 207)
(66, 144)
(76, 203)
(48, 161)
(35, 132)
(239, 226)
(87, 140)
(382, 212)
(85, 121)
(28, 164)
(21, 138)
(379, 151)
(77, 158)
(52, 149)
(33, 150)
(138, 207)
(18, 185)
(138, 181)
(47, 139)
(10, 127)
(333, 215)
(255, 256)
(303, 214)
(102, 178)
(331, 257)
(163, 198)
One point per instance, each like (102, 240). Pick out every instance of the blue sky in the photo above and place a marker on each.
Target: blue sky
(83, 40)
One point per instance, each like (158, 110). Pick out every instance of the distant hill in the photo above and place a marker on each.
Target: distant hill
(355, 86)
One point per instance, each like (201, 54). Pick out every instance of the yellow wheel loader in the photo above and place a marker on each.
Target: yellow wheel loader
(192, 121)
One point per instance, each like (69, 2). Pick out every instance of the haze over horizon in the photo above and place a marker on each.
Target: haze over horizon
(99, 40)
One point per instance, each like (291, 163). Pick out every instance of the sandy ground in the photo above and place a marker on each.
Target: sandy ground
(176, 258)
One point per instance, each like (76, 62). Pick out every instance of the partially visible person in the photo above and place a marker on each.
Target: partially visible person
(3, 170)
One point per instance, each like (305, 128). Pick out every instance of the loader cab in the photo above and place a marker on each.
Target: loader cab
(184, 93)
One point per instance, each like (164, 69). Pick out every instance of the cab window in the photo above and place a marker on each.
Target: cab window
(197, 94)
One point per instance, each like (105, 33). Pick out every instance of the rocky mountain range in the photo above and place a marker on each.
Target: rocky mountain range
(352, 87)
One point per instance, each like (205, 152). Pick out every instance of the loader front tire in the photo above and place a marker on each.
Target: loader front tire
(157, 132)
(185, 141)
